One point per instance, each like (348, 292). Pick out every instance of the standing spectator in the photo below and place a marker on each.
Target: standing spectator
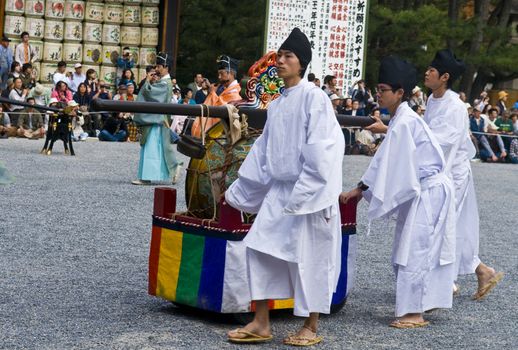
(311, 77)
(91, 81)
(149, 70)
(502, 99)
(41, 94)
(61, 74)
(317, 82)
(30, 123)
(175, 84)
(176, 95)
(360, 94)
(27, 77)
(355, 109)
(77, 77)
(6, 129)
(127, 78)
(62, 93)
(202, 94)
(16, 69)
(186, 97)
(336, 102)
(25, 52)
(125, 61)
(417, 98)
(196, 85)
(6, 59)
(477, 127)
(330, 85)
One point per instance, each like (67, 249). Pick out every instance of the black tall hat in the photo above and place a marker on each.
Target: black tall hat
(227, 63)
(164, 59)
(397, 73)
(298, 43)
(446, 62)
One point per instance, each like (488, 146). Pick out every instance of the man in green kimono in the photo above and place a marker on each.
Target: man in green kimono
(157, 157)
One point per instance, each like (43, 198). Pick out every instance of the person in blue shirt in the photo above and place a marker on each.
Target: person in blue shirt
(125, 61)
(128, 78)
(6, 60)
(186, 97)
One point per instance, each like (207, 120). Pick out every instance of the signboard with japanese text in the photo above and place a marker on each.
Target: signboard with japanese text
(335, 28)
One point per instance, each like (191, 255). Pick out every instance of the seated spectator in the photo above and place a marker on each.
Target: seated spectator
(81, 97)
(41, 94)
(186, 97)
(317, 82)
(103, 94)
(6, 129)
(355, 109)
(18, 93)
(514, 120)
(336, 101)
(52, 103)
(177, 95)
(121, 93)
(114, 130)
(78, 134)
(16, 69)
(330, 85)
(92, 83)
(418, 109)
(505, 124)
(28, 80)
(124, 61)
(30, 123)
(513, 151)
(347, 106)
(417, 98)
(62, 75)
(201, 94)
(477, 126)
(175, 84)
(131, 93)
(127, 78)
(125, 93)
(367, 141)
(62, 93)
(360, 94)
(77, 77)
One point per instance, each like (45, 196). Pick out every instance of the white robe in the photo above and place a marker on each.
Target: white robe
(406, 180)
(448, 119)
(292, 178)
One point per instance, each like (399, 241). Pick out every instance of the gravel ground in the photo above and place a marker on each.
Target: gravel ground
(74, 240)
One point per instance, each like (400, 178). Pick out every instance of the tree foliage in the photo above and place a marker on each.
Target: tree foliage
(479, 32)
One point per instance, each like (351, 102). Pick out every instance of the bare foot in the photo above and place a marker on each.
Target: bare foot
(305, 336)
(484, 274)
(503, 155)
(494, 158)
(253, 327)
(412, 318)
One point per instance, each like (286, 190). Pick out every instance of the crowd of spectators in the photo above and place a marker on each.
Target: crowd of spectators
(494, 129)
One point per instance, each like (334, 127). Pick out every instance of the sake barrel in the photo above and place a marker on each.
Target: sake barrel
(147, 56)
(15, 42)
(92, 32)
(34, 8)
(14, 26)
(52, 52)
(47, 70)
(92, 54)
(150, 15)
(35, 27)
(108, 73)
(130, 35)
(54, 30)
(38, 49)
(14, 7)
(110, 54)
(135, 53)
(75, 9)
(113, 13)
(94, 12)
(111, 34)
(113, 1)
(132, 1)
(36, 67)
(132, 14)
(55, 9)
(150, 2)
(86, 67)
(73, 31)
(72, 52)
(149, 37)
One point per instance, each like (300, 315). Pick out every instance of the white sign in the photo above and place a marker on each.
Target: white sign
(335, 28)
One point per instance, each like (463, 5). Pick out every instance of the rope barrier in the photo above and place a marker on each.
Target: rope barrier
(490, 134)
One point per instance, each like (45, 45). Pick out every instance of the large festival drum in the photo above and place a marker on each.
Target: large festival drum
(55, 9)
(35, 27)
(34, 8)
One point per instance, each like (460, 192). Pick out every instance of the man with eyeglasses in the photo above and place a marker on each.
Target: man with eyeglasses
(157, 157)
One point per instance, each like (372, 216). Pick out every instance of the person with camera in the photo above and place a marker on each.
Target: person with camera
(28, 80)
(126, 61)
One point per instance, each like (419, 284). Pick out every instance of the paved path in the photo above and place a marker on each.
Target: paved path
(74, 240)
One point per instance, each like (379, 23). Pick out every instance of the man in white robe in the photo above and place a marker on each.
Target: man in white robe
(292, 178)
(406, 180)
(447, 117)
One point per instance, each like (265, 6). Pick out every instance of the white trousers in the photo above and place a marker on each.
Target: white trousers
(306, 283)
(424, 284)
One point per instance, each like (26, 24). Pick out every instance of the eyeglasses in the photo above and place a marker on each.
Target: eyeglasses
(383, 90)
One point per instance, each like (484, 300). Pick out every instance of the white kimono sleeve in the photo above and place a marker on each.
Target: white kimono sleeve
(248, 191)
(449, 131)
(318, 156)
